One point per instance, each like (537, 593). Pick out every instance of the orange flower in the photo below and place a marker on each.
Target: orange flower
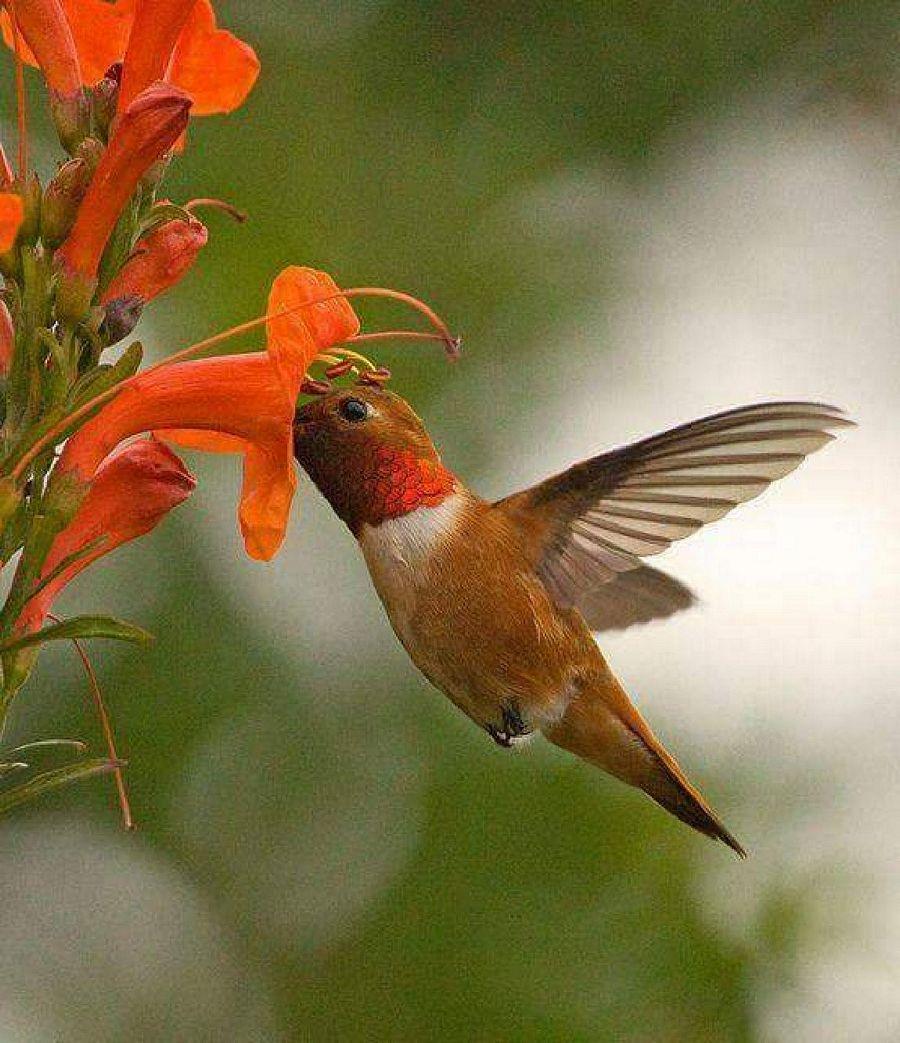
(232, 403)
(216, 68)
(213, 66)
(147, 129)
(11, 213)
(45, 29)
(132, 491)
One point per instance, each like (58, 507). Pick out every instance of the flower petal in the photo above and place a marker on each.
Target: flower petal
(216, 68)
(237, 395)
(130, 494)
(12, 211)
(296, 338)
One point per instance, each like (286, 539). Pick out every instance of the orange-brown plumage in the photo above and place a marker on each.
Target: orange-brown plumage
(496, 602)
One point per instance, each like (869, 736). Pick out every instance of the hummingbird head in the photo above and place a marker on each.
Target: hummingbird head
(369, 455)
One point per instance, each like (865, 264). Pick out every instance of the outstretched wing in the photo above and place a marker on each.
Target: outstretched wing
(598, 519)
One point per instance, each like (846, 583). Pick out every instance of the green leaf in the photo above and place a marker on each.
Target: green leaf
(83, 627)
(55, 779)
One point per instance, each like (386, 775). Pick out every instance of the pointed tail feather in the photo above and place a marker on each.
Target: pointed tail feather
(602, 726)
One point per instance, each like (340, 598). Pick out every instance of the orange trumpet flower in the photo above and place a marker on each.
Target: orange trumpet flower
(216, 68)
(231, 403)
(147, 129)
(132, 491)
(45, 29)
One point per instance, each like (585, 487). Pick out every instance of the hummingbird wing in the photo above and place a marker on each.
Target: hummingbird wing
(640, 595)
(593, 523)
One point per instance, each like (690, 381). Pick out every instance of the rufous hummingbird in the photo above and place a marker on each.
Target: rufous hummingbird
(497, 603)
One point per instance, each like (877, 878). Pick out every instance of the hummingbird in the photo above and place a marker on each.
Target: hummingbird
(498, 603)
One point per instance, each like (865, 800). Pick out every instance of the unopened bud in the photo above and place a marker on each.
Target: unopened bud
(105, 98)
(91, 151)
(160, 259)
(72, 117)
(62, 198)
(30, 192)
(122, 315)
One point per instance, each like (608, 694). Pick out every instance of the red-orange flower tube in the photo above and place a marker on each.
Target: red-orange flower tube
(154, 32)
(131, 493)
(249, 399)
(160, 260)
(146, 131)
(45, 28)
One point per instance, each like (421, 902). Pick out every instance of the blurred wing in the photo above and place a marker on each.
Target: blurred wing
(599, 518)
(637, 596)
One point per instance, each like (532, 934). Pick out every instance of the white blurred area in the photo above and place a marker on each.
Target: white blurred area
(761, 263)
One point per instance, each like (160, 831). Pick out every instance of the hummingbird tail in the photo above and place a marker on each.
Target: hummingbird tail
(602, 726)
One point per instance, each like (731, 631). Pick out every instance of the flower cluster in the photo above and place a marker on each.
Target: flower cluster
(86, 446)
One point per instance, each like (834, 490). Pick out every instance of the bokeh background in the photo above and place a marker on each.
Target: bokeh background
(636, 214)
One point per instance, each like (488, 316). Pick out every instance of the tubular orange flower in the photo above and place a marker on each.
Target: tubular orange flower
(12, 211)
(231, 403)
(45, 29)
(133, 490)
(99, 29)
(155, 30)
(147, 129)
(216, 68)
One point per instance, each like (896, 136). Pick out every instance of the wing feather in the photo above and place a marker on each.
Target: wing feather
(601, 517)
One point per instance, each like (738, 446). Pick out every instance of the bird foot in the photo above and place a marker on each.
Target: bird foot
(513, 726)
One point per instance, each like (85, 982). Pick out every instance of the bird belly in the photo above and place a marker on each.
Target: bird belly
(479, 629)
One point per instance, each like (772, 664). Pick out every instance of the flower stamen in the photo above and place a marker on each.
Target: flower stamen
(217, 204)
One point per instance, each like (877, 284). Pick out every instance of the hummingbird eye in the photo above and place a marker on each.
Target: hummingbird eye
(354, 410)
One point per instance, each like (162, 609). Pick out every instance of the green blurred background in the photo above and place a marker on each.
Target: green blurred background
(635, 213)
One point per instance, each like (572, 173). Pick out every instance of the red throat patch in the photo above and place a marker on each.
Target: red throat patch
(397, 481)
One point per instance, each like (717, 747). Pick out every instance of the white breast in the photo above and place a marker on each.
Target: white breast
(397, 552)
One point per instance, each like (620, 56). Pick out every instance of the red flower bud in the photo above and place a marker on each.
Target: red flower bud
(159, 261)
(62, 198)
(129, 495)
(147, 129)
